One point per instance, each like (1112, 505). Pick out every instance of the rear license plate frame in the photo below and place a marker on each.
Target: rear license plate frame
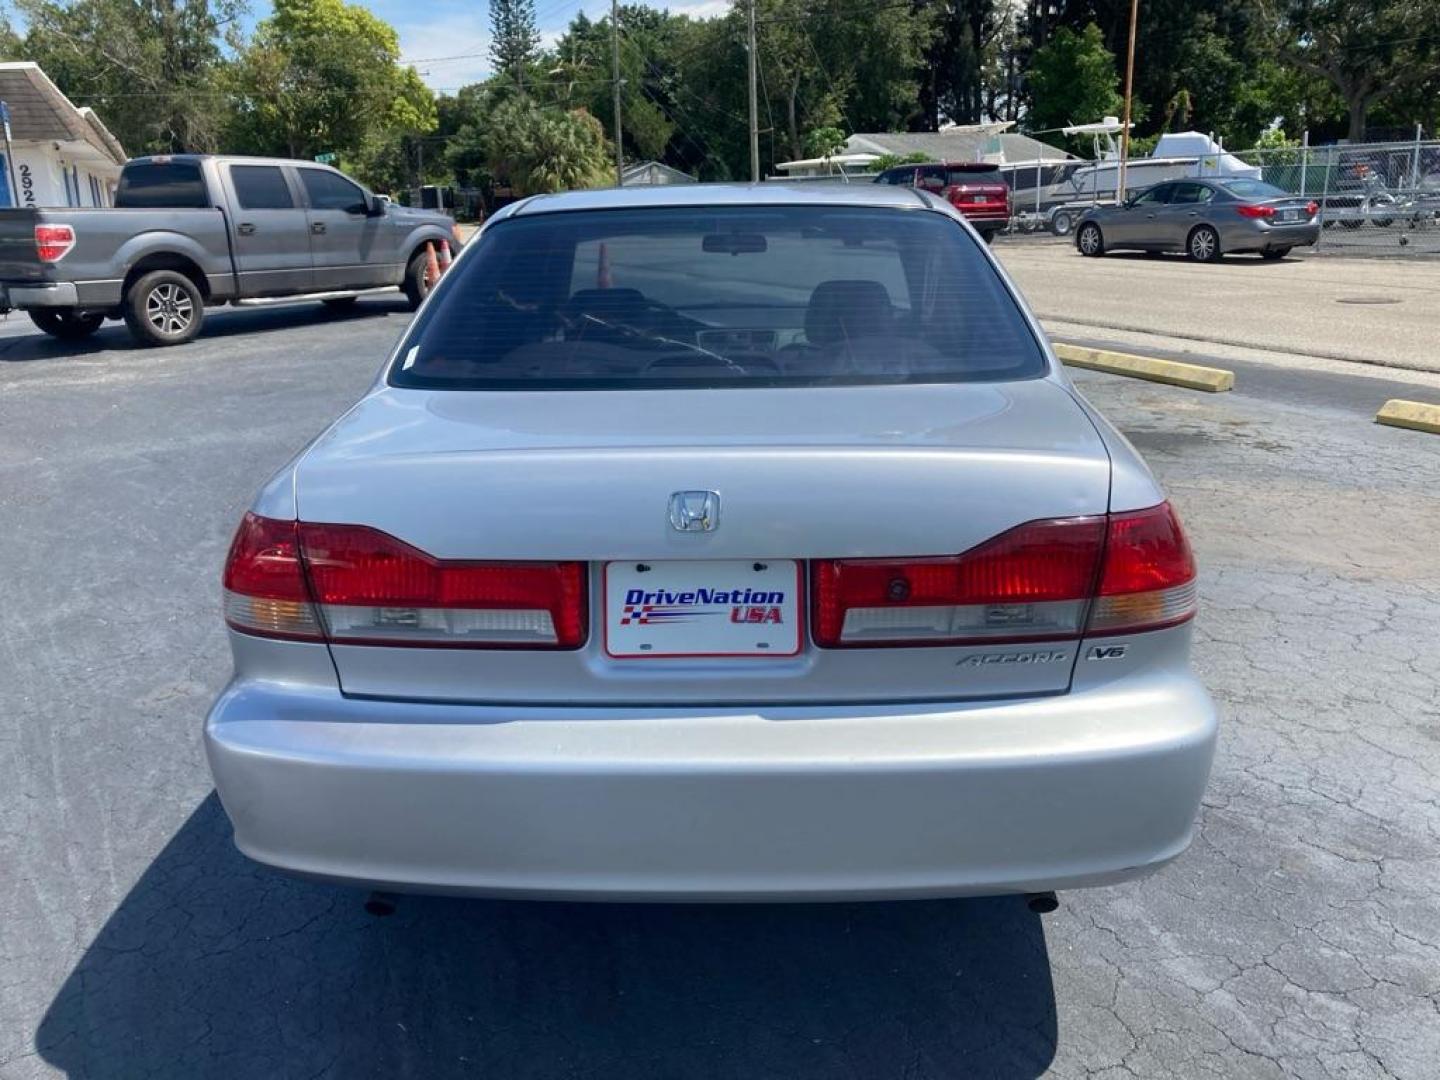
(689, 577)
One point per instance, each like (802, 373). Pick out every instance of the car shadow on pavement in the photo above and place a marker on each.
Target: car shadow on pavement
(213, 967)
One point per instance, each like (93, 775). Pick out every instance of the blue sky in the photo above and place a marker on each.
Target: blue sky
(448, 40)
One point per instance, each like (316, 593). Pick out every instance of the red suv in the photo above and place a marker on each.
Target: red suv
(974, 188)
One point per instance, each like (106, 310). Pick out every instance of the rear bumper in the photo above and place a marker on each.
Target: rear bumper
(53, 294)
(1261, 236)
(798, 803)
(100, 294)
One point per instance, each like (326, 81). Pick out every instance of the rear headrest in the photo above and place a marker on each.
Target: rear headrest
(847, 309)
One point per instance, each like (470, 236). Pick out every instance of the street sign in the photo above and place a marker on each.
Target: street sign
(325, 159)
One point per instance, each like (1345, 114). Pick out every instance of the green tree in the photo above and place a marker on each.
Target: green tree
(1072, 80)
(514, 37)
(150, 68)
(532, 148)
(324, 76)
(1368, 50)
(581, 77)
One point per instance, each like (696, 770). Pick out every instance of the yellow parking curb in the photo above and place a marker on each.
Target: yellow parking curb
(1416, 415)
(1190, 376)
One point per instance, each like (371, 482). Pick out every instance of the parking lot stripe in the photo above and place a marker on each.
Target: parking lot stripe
(1416, 415)
(1173, 372)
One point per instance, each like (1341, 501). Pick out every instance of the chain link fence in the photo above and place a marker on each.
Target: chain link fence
(1375, 198)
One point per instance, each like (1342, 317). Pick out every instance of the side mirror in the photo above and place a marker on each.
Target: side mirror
(374, 206)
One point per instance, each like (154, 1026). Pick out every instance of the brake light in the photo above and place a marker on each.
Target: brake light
(357, 585)
(53, 242)
(1042, 581)
(1312, 208)
(1032, 582)
(265, 591)
(1255, 211)
(1149, 576)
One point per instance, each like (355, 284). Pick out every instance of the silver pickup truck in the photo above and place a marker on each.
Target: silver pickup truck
(189, 231)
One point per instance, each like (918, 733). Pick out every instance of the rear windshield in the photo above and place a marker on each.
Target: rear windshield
(736, 296)
(1253, 189)
(173, 185)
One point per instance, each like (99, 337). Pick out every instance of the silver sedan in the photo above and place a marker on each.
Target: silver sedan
(715, 543)
(1206, 219)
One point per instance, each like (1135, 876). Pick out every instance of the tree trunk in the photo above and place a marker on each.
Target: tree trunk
(1356, 106)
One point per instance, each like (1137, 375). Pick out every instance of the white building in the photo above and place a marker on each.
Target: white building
(63, 155)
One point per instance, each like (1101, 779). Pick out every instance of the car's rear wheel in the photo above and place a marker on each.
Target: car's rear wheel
(1089, 240)
(66, 325)
(164, 308)
(1204, 244)
(1275, 254)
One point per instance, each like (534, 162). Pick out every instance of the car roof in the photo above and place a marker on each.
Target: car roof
(773, 193)
(237, 159)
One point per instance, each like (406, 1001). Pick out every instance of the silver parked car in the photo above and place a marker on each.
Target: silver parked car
(1203, 218)
(714, 542)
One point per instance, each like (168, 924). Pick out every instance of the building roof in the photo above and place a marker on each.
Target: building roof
(980, 142)
(647, 172)
(39, 111)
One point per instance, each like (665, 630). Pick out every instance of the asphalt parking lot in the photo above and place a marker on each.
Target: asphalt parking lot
(1299, 936)
(1375, 311)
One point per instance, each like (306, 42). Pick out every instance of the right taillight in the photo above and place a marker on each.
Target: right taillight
(1042, 581)
(1149, 576)
(351, 584)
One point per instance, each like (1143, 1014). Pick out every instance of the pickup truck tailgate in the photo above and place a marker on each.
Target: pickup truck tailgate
(18, 258)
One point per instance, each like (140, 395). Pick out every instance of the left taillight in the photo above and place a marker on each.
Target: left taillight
(352, 584)
(1042, 581)
(53, 242)
(1246, 210)
(265, 590)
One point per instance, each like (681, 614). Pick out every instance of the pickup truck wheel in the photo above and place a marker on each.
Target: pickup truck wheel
(164, 308)
(66, 325)
(414, 285)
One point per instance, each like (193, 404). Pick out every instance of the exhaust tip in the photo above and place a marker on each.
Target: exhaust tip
(380, 905)
(1042, 903)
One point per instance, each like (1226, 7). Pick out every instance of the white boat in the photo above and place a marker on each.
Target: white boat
(1177, 154)
(1050, 195)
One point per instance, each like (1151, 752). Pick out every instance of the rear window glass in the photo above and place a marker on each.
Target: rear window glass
(735, 296)
(173, 185)
(1253, 189)
(261, 187)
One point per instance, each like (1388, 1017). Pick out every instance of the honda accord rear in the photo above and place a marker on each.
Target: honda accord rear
(737, 543)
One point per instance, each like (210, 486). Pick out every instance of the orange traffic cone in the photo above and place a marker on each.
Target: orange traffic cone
(445, 259)
(432, 265)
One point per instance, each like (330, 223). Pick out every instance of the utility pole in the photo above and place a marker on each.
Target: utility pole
(1129, 85)
(754, 106)
(615, 65)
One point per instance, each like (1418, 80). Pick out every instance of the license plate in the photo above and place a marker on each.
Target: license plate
(1288, 215)
(709, 607)
(979, 198)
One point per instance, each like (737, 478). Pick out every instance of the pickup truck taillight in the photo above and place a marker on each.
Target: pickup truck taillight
(353, 585)
(53, 242)
(1042, 581)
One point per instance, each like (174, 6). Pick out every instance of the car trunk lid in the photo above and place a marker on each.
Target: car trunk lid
(800, 474)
